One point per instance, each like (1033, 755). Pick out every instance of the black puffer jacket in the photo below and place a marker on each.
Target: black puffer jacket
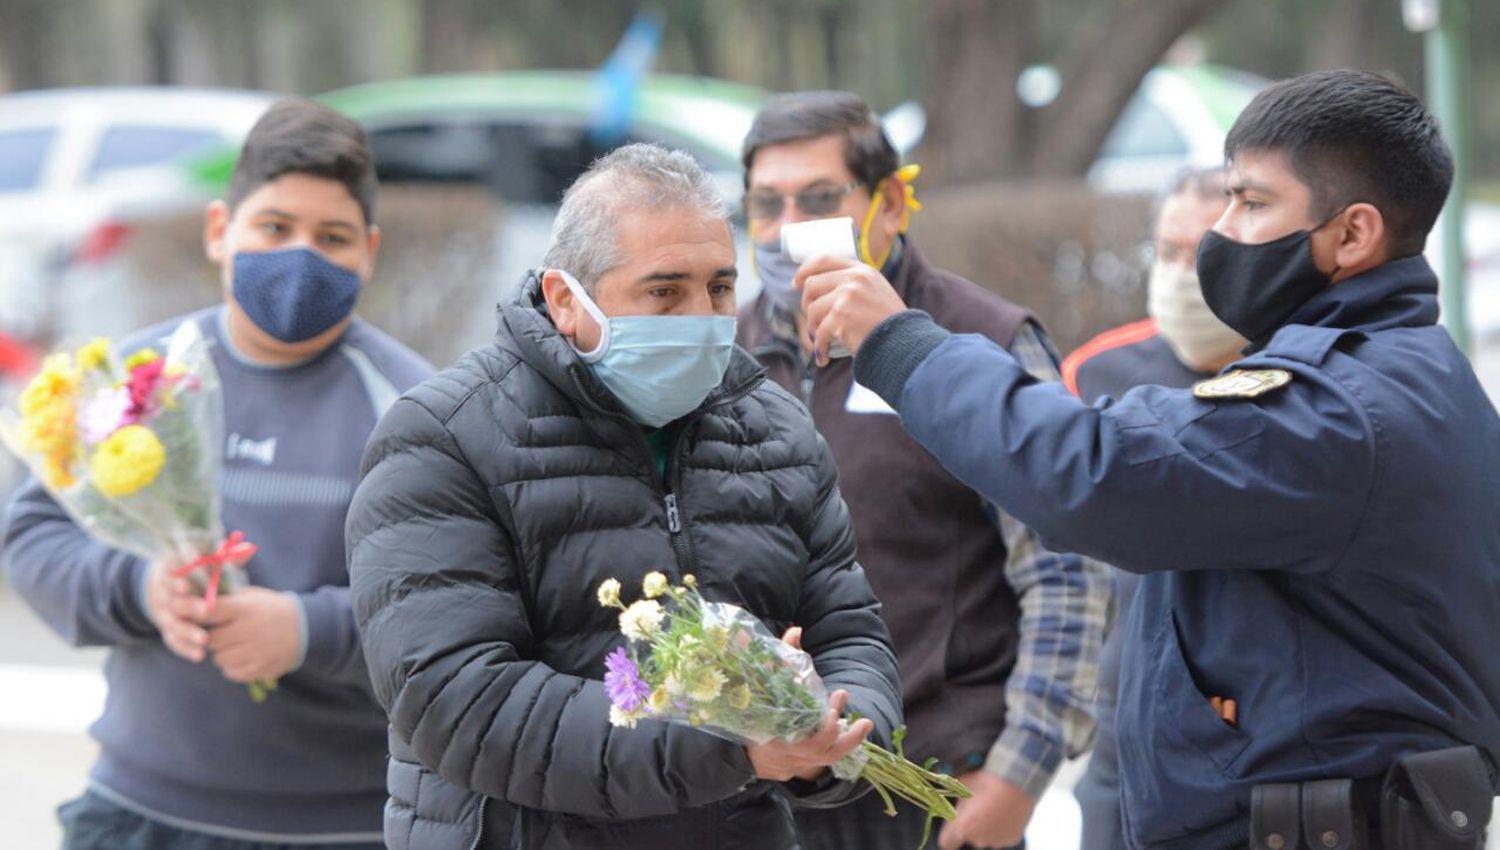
(497, 496)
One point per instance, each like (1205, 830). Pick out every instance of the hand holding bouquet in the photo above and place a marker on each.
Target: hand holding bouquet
(131, 451)
(714, 666)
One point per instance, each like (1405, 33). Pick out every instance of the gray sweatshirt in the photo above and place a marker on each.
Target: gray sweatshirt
(178, 742)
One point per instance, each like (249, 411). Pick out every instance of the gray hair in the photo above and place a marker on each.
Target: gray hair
(585, 234)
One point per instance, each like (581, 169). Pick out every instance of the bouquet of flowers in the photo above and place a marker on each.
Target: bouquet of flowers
(715, 666)
(130, 449)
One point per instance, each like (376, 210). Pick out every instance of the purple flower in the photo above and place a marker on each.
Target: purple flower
(623, 682)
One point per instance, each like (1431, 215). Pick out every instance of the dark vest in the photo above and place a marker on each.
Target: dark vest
(929, 545)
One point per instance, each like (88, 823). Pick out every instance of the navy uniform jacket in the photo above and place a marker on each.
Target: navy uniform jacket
(1326, 554)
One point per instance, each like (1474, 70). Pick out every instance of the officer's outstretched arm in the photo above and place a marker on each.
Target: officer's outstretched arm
(1158, 480)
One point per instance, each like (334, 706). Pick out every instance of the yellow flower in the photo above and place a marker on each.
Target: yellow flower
(705, 684)
(57, 381)
(57, 475)
(654, 585)
(94, 355)
(128, 461)
(609, 593)
(660, 701)
(642, 620)
(739, 697)
(145, 355)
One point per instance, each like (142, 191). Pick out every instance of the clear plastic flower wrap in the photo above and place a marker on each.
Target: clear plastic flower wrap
(130, 448)
(716, 667)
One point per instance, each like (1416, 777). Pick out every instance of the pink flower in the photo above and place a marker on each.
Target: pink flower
(105, 414)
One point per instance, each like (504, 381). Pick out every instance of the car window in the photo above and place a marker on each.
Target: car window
(1144, 129)
(522, 162)
(22, 156)
(127, 146)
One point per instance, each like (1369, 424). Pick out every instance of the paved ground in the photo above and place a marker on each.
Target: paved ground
(50, 692)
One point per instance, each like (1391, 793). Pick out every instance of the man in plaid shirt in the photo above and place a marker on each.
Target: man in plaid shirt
(998, 665)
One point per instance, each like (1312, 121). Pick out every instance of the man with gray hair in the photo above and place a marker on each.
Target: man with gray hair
(611, 429)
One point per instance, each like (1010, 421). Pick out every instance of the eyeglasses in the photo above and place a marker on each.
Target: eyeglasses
(818, 201)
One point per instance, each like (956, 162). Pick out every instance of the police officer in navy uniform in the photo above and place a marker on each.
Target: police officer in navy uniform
(1180, 343)
(1314, 652)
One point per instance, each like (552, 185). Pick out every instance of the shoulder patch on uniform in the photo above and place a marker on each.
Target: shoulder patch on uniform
(1243, 383)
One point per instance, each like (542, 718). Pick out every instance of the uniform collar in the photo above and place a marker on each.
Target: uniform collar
(1401, 293)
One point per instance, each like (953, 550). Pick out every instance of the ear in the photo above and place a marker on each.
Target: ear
(892, 207)
(373, 246)
(1360, 240)
(561, 304)
(215, 226)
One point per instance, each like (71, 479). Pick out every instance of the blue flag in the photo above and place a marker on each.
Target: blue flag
(618, 81)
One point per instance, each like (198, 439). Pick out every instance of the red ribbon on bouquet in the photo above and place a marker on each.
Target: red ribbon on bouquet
(234, 548)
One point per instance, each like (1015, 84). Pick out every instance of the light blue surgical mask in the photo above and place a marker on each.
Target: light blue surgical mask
(659, 367)
(776, 270)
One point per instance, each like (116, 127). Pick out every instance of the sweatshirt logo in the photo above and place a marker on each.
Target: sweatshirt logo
(260, 451)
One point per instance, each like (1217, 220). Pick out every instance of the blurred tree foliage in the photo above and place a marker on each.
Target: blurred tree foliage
(959, 57)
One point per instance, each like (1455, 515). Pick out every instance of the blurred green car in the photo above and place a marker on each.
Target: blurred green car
(529, 134)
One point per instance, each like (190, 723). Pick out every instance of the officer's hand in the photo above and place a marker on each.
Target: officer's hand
(255, 634)
(807, 759)
(843, 301)
(996, 816)
(177, 612)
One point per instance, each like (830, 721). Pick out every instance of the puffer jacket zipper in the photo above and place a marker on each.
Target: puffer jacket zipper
(484, 803)
(682, 545)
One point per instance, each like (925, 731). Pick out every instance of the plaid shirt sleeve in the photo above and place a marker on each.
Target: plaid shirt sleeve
(1067, 607)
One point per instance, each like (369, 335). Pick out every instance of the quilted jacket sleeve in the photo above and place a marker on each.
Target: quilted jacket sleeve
(446, 635)
(843, 631)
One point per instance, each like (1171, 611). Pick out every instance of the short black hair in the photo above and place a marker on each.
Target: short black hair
(1350, 137)
(795, 116)
(298, 136)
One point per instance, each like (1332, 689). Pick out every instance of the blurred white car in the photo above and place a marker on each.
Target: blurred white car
(74, 164)
(1178, 117)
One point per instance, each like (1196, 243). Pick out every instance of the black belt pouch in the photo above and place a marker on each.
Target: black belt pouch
(1438, 800)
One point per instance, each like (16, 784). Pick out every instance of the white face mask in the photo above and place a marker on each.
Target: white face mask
(1199, 339)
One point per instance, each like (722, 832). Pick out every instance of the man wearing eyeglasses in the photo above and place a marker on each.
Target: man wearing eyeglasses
(998, 665)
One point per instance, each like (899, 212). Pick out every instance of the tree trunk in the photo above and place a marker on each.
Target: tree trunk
(976, 125)
(27, 28)
(1100, 72)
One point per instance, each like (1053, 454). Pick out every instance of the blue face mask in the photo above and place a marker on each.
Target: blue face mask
(659, 367)
(293, 294)
(776, 270)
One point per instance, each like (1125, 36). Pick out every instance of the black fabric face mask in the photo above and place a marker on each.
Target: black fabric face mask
(1256, 288)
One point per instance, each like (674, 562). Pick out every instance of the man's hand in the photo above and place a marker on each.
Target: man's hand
(255, 634)
(843, 301)
(807, 759)
(178, 613)
(995, 817)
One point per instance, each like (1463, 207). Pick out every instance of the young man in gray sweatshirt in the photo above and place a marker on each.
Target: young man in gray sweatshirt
(187, 761)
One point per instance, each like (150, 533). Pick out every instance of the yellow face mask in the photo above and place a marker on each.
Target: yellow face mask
(908, 175)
